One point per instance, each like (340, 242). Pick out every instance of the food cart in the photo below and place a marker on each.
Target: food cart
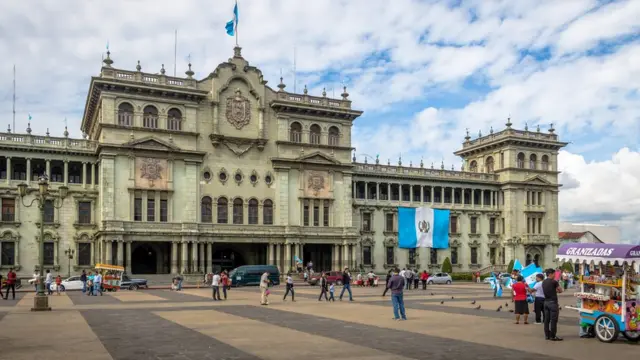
(111, 276)
(608, 297)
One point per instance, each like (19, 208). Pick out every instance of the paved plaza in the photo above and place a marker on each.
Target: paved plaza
(161, 324)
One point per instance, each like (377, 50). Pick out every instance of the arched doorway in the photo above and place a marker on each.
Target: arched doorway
(144, 260)
(227, 259)
(533, 255)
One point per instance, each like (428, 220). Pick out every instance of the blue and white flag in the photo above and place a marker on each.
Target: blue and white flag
(297, 259)
(29, 116)
(423, 227)
(517, 265)
(508, 283)
(232, 24)
(529, 273)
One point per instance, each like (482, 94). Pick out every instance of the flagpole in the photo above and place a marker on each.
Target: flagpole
(236, 23)
(175, 53)
(14, 98)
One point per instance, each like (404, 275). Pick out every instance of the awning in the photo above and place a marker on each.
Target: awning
(597, 253)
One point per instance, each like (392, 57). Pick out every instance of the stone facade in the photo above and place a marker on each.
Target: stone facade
(178, 175)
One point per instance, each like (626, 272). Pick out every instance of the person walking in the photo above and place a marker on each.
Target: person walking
(264, 287)
(97, 284)
(386, 282)
(289, 289)
(423, 277)
(346, 284)
(48, 281)
(538, 304)
(408, 275)
(58, 284)
(520, 299)
(11, 284)
(323, 287)
(332, 290)
(225, 283)
(551, 288)
(215, 286)
(396, 285)
(83, 278)
(416, 279)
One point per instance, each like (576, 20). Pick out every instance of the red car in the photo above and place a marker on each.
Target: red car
(333, 277)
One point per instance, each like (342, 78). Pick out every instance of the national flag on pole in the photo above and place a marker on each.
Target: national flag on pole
(107, 45)
(423, 227)
(29, 116)
(232, 24)
(529, 273)
(517, 265)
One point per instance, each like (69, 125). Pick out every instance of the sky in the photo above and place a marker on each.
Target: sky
(422, 71)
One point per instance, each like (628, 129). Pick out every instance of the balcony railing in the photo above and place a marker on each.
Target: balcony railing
(47, 141)
(413, 171)
(145, 78)
(534, 135)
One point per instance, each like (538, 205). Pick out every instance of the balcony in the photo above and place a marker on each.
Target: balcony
(147, 79)
(536, 239)
(47, 142)
(403, 171)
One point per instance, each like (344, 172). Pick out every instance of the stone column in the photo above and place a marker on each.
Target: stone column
(209, 259)
(84, 174)
(278, 258)
(270, 254)
(345, 256)
(108, 250)
(93, 175)
(410, 193)
(120, 255)
(334, 257)
(128, 257)
(442, 194)
(287, 257)
(185, 258)
(174, 257)
(421, 193)
(389, 191)
(355, 194)
(453, 197)
(433, 191)
(47, 166)
(377, 191)
(9, 174)
(482, 198)
(194, 257)
(201, 259)
(353, 256)
(66, 173)
(29, 175)
(473, 197)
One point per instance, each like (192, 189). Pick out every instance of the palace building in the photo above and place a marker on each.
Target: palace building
(179, 175)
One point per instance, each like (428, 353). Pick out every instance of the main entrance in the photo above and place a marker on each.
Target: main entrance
(150, 258)
(230, 256)
(319, 254)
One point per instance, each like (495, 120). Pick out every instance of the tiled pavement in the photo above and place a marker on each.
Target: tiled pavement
(162, 324)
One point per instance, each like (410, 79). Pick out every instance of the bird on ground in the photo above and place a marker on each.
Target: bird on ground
(441, 302)
(452, 298)
(473, 302)
(498, 309)
(431, 294)
(478, 307)
(506, 304)
(510, 310)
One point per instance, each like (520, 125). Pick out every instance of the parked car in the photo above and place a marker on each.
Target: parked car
(250, 275)
(133, 284)
(72, 283)
(333, 277)
(440, 278)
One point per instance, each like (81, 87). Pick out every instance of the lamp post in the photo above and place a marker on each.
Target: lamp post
(41, 301)
(69, 252)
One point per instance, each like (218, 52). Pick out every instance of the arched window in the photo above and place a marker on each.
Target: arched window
(253, 211)
(205, 209)
(520, 161)
(150, 117)
(223, 211)
(238, 208)
(334, 136)
(473, 167)
(125, 114)
(533, 159)
(544, 163)
(295, 132)
(174, 119)
(267, 212)
(489, 164)
(314, 134)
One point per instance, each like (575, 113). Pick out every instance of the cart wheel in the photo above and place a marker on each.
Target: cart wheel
(632, 336)
(606, 329)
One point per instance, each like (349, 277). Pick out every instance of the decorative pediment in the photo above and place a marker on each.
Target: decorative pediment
(9, 235)
(537, 180)
(390, 242)
(455, 243)
(238, 146)
(49, 235)
(367, 242)
(474, 243)
(319, 158)
(83, 237)
(152, 143)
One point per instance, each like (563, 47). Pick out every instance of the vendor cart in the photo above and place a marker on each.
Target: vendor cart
(608, 296)
(111, 276)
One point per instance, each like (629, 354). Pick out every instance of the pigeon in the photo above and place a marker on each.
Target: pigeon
(506, 304)
(478, 307)
(510, 310)
(441, 302)
(498, 309)
(452, 298)
(431, 294)
(473, 302)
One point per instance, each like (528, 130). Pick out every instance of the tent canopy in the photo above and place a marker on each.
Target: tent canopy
(596, 253)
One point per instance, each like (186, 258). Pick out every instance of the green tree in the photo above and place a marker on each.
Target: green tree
(567, 266)
(510, 267)
(446, 266)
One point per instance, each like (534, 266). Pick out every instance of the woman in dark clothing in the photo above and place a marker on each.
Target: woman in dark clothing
(386, 284)
(323, 287)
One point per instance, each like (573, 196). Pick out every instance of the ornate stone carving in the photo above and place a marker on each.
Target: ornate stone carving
(238, 110)
(151, 173)
(315, 182)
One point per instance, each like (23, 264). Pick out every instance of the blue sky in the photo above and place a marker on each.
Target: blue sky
(423, 72)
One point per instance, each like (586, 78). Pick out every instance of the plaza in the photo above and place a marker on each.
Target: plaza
(161, 324)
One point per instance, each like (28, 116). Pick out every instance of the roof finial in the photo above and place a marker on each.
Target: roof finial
(377, 159)
(491, 130)
(353, 159)
(410, 163)
(189, 72)
(442, 165)
(47, 133)
(388, 162)
(421, 163)
(467, 138)
(432, 165)
(66, 132)
(479, 133)
(138, 67)
(526, 126)
(237, 51)
(107, 62)
(9, 128)
(162, 71)
(281, 86)
(344, 94)
(538, 128)
(508, 124)
(400, 160)
(29, 127)
(305, 90)
(324, 92)
(551, 129)
(365, 160)
(452, 168)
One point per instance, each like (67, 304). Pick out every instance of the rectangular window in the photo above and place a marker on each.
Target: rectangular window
(84, 254)
(164, 210)
(528, 225)
(389, 222)
(366, 255)
(532, 194)
(84, 212)
(539, 225)
(49, 253)
(390, 255)
(473, 228)
(474, 255)
(433, 258)
(453, 224)
(412, 256)
(503, 225)
(316, 213)
(151, 206)
(8, 209)
(7, 253)
(492, 225)
(366, 221)
(305, 213)
(137, 209)
(540, 198)
(325, 215)
(49, 216)
(454, 255)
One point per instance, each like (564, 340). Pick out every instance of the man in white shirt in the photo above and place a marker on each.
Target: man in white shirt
(97, 283)
(215, 284)
(264, 285)
(48, 281)
(289, 288)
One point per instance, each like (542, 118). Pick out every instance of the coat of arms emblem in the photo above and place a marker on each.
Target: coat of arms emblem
(151, 170)
(424, 226)
(315, 182)
(238, 110)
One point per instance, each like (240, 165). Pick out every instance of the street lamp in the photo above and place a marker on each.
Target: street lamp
(41, 301)
(69, 252)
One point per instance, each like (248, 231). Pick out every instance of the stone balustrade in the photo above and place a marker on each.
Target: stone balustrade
(380, 169)
(524, 134)
(314, 100)
(146, 78)
(47, 141)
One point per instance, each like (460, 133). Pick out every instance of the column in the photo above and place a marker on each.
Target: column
(185, 258)
(93, 175)
(296, 253)
(209, 259)
(353, 257)
(482, 198)
(144, 206)
(442, 194)
(93, 252)
(301, 255)
(334, 257)
(174, 257)
(66, 173)
(377, 190)
(453, 196)
(366, 190)
(9, 174)
(194, 257)
(108, 250)
(389, 191)
(201, 259)
(278, 258)
(421, 193)
(345, 256)
(271, 254)
(433, 191)
(473, 197)
(29, 175)
(128, 257)
(84, 174)
(287, 257)
(355, 195)
(48, 166)
(410, 193)
(120, 253)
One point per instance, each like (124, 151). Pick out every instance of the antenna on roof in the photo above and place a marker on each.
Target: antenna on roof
(175, 53)
(14, 97)
(294, 69)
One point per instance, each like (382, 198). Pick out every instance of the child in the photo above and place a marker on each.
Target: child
(331, 291)
(58, 284)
